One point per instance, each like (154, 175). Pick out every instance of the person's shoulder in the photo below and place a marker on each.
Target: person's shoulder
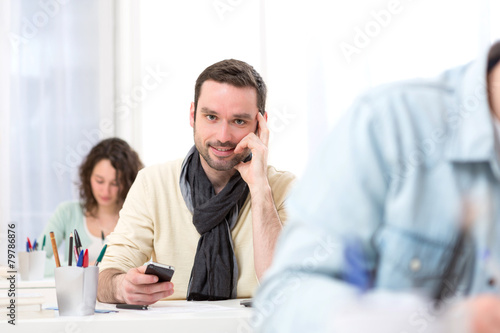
(68, 211)
(69, 206)
(411, 108)
(160, 176)
(276, 176)
(418, 94)
(443, 82)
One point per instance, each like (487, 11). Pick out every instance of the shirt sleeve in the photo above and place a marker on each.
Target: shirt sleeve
(281, 184)
(131, 243)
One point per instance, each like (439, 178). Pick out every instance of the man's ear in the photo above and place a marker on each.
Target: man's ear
(191, 115)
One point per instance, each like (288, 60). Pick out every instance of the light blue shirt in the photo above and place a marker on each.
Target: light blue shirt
(395, 179)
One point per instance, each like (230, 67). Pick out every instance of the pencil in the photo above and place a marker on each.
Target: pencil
(54, 249)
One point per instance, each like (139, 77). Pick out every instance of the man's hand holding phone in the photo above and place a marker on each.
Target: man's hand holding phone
(163, 272)
(137, 287)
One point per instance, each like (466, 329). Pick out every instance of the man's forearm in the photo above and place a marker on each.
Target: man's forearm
(107, 289)
(267, 227)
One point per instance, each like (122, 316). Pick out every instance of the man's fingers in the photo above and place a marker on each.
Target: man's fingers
(153, 288)
(148, 299)
(145, 293)
(137, 276)
(251, 141)
(245, 143)
(263, 129)
(141, 269)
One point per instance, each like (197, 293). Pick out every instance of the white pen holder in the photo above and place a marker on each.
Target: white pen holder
(31, 265)
(76, 289)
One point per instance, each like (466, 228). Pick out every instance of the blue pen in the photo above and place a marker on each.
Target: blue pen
(27, 247)
(34, 245)
(80, 259)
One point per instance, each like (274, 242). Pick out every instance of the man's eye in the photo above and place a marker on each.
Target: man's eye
(240, 122)
(211, 117)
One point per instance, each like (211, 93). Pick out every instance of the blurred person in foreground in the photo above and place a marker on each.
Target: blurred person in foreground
(395, 226)
(214, 215)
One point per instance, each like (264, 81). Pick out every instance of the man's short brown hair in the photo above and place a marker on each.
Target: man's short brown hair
(236, 73)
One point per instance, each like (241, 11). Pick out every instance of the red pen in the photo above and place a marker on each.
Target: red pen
(29, 244)
(86, 258)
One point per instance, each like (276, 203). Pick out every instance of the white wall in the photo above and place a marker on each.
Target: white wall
(298, 48)
(181, 39)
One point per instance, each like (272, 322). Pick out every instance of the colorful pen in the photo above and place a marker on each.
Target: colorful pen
(101, 255)
(86, 258)
(80, 259)
(43, 243)
(70, 254)
(78, 243)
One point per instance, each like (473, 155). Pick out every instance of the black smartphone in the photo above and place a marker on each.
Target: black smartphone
(163, 272)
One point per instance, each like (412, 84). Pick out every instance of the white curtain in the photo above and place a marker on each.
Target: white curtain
(61, 102)
(127, 81)
(316, 57)
(4, 127)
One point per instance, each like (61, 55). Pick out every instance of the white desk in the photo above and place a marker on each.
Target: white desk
(44, 287)
(39, 284)
(165, 316)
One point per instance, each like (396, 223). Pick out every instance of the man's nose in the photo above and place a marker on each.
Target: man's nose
(224, 133)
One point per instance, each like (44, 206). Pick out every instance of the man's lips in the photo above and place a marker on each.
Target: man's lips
(222, 151)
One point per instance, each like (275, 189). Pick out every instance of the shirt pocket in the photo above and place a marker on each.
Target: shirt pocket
(417, 262)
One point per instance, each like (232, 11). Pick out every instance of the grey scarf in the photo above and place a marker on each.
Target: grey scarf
(215, 272)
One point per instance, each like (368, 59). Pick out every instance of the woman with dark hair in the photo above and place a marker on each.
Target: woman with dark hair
(106, 175)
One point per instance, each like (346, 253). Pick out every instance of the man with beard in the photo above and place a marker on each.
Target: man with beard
(215, 215)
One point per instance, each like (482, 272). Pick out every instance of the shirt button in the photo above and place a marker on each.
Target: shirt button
(415, 265)
(491, 282)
